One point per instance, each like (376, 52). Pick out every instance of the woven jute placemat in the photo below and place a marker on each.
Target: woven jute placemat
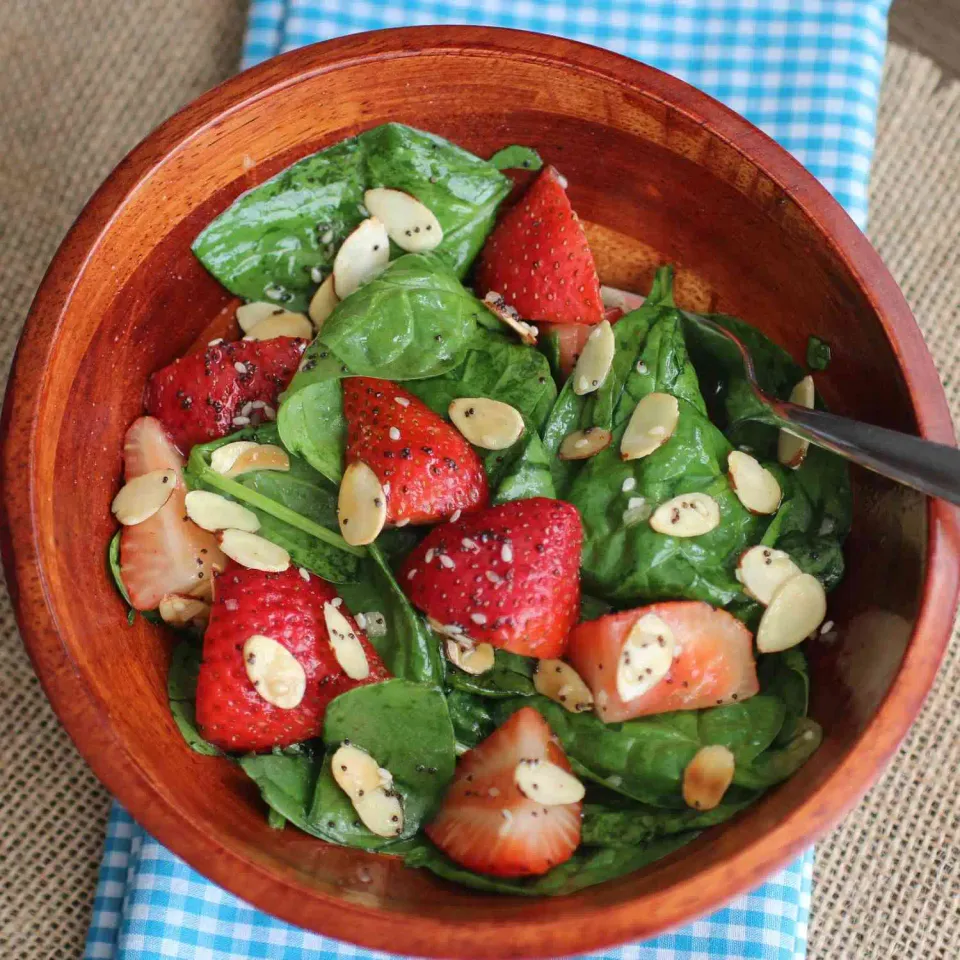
(82, 81)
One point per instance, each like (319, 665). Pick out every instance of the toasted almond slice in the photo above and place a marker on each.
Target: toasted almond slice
(645, 657)
(381, 812)
(651, 425)
(762, 569)
(143, 496)
(274, 671)
(755, 486)
(253, 551)
(688, 515)
(558, 681)
(796, 609)
(410, 224)
(283, 324)
(259, 456)
(791, 449)
(361, 256)
(620, 299)
(223, 458)
(707, 777)
(486, 423)
(547, 783)
(324, 302)
(181, 611)
(469, 657)
(345, 644)
(595, 360)
(582, 444)
(251, 314)
(355, 771)
(526, 331)
(213, 512)
(361, 505)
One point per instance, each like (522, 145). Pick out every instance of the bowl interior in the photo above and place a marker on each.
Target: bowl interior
(655, 184)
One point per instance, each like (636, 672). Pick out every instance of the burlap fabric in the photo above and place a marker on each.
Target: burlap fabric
(82, 81)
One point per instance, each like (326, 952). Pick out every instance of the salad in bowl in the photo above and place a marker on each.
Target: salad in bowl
(473, 560)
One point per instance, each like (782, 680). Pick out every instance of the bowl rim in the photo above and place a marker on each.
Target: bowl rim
(251, 879)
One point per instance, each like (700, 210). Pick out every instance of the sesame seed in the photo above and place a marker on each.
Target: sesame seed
(241, 368)
(479, 618)
(403, 401)
(628, 484)
(412, 573)
(394, 433)
(493, 792)
(827, 627)
(455, 516)
(336, 602)
(506, 553)
(402, 523)
(431, 553)
(241, 421)
(446, 561)
(493, 577)
(304, 574)
(214, 343)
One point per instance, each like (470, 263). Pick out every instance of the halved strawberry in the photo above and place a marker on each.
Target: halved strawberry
(487, 824)
(207, 395)
(426, 467)
(713, 661)
(569, 338)
(288, 608)
(167, 553)
(509, 575)
(538, 260)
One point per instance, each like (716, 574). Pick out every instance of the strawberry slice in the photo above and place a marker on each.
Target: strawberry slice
(487, 824)
(426, 467)
(288, 608)
(713, 660)
(538, 260)
(509, 575)
(167, 553)
(571, 337)
(207, 395)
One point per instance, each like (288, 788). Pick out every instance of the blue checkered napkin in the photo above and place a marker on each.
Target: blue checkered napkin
(805, 71)
(150, 904)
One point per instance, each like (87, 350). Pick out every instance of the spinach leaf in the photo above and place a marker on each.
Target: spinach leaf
(312, 425)
(586, 868)
(818, 353)
(592, 608)
(405, 727)
(471, 718)
(515, 156)
(275, 819)
(286, 779)
(408, 647)
(182, 695)
(296, 509)
(784, 676)
(511, 676)
(526, 473)
(273, 241)
(641, 823)
(746, 729)
(781, 762)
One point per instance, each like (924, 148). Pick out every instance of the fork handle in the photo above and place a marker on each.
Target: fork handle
(932, 468)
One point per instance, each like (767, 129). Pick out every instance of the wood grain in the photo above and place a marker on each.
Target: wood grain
(663, 173)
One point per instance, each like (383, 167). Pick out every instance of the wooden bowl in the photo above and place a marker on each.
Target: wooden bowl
(663, 174)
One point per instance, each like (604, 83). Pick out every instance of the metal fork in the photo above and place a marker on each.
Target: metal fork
(932, 468)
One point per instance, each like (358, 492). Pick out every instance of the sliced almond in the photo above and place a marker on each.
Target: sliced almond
(251, 314)
(253, 551)
(595, 360)
(213, 512)
(486, 423)
(791, 449)
(755, 486)
(651, 425)
(796, 609)
(447, 629)
(274, 671)
(527, 332)
(345, 644)
(180, 611)
(558, 681)
(259, 456)
(361, 257)
(411, 225)
(323, 303)
(370, 790)
(361, 505)
(688, 515)
(143, 496)
(620, 299)
(283, 324)
(223, 458)
(546, 783)
(762, 570)
(472, 658)
(707, 777)
(582, 444)
(645, 658)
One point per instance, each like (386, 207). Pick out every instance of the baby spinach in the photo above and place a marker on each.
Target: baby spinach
(524, 473)
(785, 676)
(286, 779)
(781, 762)
(514, 157)
(312, 425)
(511, 676)
(406, 728)
(470, 716)
(586, 868)
(182, 695)
(818, 353)
(273, 241)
